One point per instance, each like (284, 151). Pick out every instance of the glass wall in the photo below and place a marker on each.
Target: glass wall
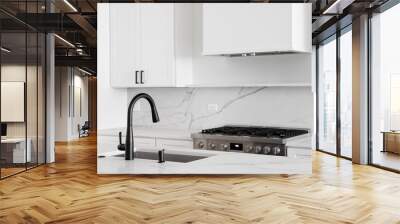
(346, 93)
(335, 94)
(31, 100)
(327, 96)
(22, 88)
(13, 90)
(385, 89)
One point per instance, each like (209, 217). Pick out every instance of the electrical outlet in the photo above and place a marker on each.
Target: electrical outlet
(212, 107)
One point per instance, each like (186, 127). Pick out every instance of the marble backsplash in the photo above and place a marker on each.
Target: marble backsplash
(194, 108)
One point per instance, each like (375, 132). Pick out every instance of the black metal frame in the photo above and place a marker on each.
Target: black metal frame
(37, 164)
(369, 96)
(317, 97)
(334, 37)
(338, 98)
(0, 92)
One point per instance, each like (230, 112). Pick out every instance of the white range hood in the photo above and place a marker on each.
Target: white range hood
(249, 29)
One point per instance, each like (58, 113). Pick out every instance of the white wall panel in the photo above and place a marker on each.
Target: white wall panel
(12, 101)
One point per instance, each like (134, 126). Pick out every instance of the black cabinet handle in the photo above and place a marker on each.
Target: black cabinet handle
(136, 77)
(141, 77)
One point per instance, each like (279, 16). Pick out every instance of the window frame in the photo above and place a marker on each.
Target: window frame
(381, 9)
(334, 37)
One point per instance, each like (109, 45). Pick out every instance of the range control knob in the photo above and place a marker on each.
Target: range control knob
(267, 150)
(249, 148)
(257, 149)
(277, 150)
(212, 146)
(201, 145)
(225, 147)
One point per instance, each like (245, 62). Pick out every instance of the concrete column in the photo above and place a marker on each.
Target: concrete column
(50, 110)
(50, 93)
(360, 90)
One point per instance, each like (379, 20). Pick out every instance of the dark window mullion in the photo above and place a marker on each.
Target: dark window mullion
(338, 92)
(26, 87)
(37, 90)
(0, 96)
(317, 96)
(369, 91)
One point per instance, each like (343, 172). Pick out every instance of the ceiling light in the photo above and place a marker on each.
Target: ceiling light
(65, 41)
(337, 7)
(84, 71)
(326, 11)
(80, 51)
(5, 50)
(70, 5)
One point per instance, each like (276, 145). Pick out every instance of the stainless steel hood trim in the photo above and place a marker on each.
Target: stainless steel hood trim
(259, 54)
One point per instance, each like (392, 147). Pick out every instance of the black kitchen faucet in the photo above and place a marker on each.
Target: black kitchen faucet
(129, 143)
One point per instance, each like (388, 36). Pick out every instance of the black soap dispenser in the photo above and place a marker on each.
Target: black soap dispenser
(161, 156)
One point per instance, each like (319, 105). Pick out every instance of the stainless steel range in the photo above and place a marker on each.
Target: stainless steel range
(247, 139)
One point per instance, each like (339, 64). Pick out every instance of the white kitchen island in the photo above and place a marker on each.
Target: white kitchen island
(217, 162)
(298, 160)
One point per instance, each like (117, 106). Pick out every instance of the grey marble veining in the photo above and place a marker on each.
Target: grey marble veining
(187, 108)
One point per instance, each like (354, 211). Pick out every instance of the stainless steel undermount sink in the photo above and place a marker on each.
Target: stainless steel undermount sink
(169, 157)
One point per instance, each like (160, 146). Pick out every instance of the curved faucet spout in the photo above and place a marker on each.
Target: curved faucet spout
(129, 143)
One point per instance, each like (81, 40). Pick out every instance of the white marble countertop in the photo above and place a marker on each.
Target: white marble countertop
(217, 162)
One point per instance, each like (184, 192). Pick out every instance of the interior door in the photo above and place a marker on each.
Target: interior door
(157, 44)
(124, 43)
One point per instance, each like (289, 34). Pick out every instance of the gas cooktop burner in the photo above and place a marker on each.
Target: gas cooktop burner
(252, 139)
(267, 132)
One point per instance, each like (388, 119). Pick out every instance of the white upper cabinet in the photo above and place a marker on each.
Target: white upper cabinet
(167, 45)
(142, 45)
(157, 44)
(246, 28)
(124, 42)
